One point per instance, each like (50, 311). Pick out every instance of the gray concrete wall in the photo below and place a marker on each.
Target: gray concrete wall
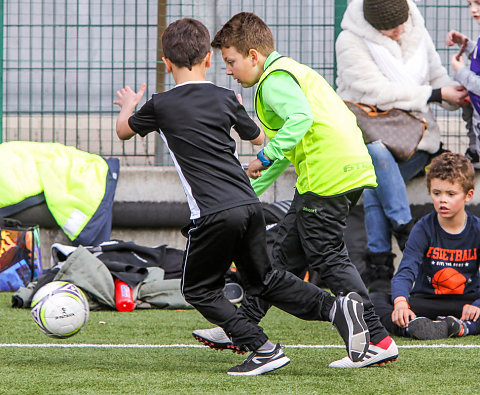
(150, 207)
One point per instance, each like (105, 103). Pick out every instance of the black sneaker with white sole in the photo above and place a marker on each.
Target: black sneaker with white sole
(347, 316)
(261, 362)
(423, 328)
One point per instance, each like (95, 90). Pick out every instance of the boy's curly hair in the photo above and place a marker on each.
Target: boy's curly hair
(186, 42)
(453, 168)
(245, 31)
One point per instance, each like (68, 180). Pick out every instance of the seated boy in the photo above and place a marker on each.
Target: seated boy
(436, 289)
(227, 222)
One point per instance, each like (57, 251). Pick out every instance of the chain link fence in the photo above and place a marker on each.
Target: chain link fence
(64, 60)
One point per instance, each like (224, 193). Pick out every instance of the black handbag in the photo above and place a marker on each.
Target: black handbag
(400, 131)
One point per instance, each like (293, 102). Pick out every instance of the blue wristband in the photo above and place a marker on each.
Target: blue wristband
(265, 162)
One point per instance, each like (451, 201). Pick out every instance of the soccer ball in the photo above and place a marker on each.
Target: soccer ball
(60, 309)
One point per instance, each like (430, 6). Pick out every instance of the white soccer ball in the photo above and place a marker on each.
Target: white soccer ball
(60, 309)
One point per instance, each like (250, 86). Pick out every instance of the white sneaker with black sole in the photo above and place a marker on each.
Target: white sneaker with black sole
(375, 355)
(261, 362)
(347, 316)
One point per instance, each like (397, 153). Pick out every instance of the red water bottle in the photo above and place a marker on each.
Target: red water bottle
(123, 296)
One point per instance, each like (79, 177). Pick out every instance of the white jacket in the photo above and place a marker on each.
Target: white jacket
(361, 80)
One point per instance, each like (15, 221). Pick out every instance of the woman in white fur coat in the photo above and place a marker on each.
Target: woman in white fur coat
(386, 58)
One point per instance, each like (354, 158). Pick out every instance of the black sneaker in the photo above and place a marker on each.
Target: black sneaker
(423, 328)
(261, 362)
(455, 327)
(473, 157)
(347, 316)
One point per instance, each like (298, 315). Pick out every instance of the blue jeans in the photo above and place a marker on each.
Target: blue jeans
(387, 206)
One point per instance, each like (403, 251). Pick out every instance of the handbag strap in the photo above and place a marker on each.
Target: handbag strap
(362, 106)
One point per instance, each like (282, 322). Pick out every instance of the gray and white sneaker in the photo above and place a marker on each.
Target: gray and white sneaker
(347, 316)
(217, 338)
(261, 362)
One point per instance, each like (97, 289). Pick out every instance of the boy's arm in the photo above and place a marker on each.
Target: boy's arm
(465, 76)
(242, 113)
(260, 139)
(127, 100)
(412, 259)
(406, 275)
(269, 176)
(286, 99)
(245, 126)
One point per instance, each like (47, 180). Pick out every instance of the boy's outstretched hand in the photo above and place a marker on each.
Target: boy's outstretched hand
(127, 97)
(127, 100)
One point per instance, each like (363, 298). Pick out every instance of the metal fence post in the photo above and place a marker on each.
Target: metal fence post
(1, 71)
(340, 7)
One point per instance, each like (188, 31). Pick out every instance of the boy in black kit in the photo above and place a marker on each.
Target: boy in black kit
(227, 223)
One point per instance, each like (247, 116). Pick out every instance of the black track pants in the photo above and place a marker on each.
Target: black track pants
(314, 227)
(239, 235)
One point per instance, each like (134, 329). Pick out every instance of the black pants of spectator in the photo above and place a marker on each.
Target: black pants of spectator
(430, 306)
(314, 227)
(239, 235)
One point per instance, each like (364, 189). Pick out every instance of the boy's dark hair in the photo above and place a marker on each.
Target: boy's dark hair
(453, 168)
(186, 42)
(245, 31)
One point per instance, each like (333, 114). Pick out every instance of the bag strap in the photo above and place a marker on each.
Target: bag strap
(32, 254)
(10, 223)
(30, 258)
(366, 108)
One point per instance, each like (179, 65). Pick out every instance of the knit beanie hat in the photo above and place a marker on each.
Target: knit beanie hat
(385, 14)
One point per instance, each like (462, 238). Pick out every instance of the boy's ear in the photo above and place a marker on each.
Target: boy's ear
(168, 64)
(253, 53)
(208, 59)
(469, 195)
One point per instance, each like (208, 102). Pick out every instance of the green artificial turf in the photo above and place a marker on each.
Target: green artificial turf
(200, 370)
